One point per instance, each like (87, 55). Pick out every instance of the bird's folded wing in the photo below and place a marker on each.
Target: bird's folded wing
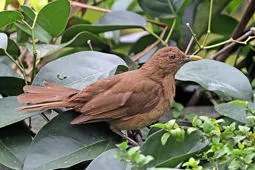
(117, 102)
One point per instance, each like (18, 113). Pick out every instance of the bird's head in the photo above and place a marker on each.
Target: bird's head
(169, 60)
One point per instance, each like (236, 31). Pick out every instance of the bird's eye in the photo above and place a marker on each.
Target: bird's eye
(172, 56)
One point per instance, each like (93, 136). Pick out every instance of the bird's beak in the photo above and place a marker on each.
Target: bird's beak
(193, 58)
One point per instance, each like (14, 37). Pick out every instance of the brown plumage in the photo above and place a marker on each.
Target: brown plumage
(127, 101)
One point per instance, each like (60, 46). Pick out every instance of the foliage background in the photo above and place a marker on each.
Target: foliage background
(75, 43)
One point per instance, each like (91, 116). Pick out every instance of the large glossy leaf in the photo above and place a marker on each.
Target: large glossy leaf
(54, 16)
(162, 8)
(234, 111)
(173, 152)
(14, 142)
(59, 144)
(115, 20)
(9, 114)
(122, 18)
(108, 158)
(113, 163)
(79, 69)
(8, 17)
(216, 76)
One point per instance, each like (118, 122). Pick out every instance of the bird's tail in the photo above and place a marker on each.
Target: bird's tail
(49, 97)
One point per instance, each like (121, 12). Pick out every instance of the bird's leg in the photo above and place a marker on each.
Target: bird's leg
(137, 135)
(131, 141)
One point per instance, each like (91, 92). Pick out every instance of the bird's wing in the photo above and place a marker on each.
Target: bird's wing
(125, 98)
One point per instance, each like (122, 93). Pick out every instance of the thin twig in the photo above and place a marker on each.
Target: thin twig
(229, 46)
(194, 35)
(147, 49)
(73, 3)
(189, 45)
(34, 48)
(90, 45)
(171, 31)
(238, 30)
(209, 23)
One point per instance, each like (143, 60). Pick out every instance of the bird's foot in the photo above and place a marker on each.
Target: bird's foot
(137, 135)
(130, 140)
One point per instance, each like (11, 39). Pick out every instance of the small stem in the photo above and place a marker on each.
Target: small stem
(209, 23)
(189, 45)
(24, 22)
(90, 45)
(156, 36)
(34, 48)
(197, 51)
(194, 35)
(219, 44)
(210, 17)
(170, 32)
(22, 70)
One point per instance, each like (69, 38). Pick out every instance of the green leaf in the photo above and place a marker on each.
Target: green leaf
(216, 76)
(6, 71)
(133, 150)
(11, 86)
(3, 41)
(8, 17)
(178, 106)
(223, 25)
(240, 102)
(38, 5)
(14, 142)
(233, 111)
(115, 20)
(9, 114)
(11, 83)
(233, 5)
(54, 16)
(59, 144)
(40, 33)
(176, 114)
(165, 137)
(89, 67)
(12, 49)
(162, 8)
(108, 158)
(176, 151)
(126, 18)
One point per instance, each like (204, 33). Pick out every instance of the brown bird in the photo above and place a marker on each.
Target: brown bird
(127, 101)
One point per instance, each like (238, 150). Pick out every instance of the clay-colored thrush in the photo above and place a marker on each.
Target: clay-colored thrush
(127, 101)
